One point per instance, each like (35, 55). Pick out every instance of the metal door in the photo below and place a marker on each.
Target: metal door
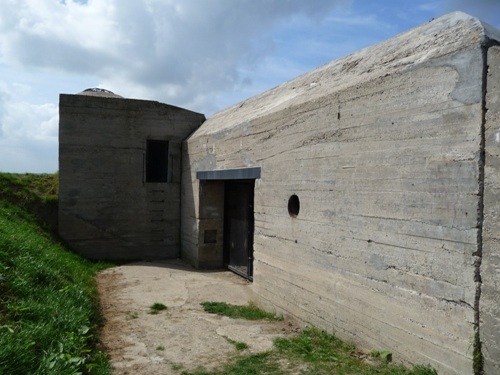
(239, 226)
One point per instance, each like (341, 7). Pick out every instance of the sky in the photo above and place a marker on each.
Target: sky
(203, 55)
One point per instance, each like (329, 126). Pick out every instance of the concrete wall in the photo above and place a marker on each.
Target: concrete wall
(384, 149)
(106, 209)
(211, 217)
(490, 268)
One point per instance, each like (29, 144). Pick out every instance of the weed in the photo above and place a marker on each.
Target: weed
(422, 370)
(240, 345)
(237, 344)
(176, 366)
(132, 315)
(249, 312)
(384, 355)
(155, 308)
(252, 364)
(160, 347)
(477, 356)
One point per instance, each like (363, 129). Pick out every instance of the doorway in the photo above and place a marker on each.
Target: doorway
(239, 226)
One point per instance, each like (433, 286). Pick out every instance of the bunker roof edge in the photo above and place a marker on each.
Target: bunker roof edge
(438, 37)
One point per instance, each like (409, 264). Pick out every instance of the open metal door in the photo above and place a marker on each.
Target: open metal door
(239, 226)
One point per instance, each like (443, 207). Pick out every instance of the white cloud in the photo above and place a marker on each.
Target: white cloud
(186, 53)
(28, 132)
(199, 54)
(171, 49)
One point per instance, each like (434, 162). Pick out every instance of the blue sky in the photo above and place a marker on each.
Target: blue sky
(202, 55)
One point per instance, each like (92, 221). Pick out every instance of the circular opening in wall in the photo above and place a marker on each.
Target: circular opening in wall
(293, 205)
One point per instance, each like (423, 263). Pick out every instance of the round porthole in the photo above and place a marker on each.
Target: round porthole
(293, 205)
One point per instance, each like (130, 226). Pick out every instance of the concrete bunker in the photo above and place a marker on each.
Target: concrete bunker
(119, 175)
(392, 153)
(385, 150)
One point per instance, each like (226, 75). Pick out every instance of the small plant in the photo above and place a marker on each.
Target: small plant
(132, 315)
(477, 356)
(385, 355)
(249, 312)
(177, 366)
(422, 370)
(160, 347)
(155, 308)
(252, 364)
(237, 344)
(240, 346)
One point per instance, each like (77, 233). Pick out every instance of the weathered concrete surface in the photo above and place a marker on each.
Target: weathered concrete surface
(490, 266)
(384, 150)
(106, 209)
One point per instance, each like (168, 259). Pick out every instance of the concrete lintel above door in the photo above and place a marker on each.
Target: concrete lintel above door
(230, 174)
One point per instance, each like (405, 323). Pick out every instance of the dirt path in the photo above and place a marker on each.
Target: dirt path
(183, 337)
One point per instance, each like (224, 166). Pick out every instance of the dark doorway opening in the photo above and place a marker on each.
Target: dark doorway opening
(239, 226)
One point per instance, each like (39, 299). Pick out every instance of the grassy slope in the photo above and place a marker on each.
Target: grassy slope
(48, 300)
(35, 193)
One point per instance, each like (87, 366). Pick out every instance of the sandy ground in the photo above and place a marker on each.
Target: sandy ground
(184, 337)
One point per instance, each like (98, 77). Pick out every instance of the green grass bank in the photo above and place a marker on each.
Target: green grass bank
(49, 312)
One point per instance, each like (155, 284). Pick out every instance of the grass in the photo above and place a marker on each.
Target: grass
(249, 312)
(237, 344)
(155, 308)
(49, 312)
(311, 352)
(132, 315)
(29, 185)
(177, 366)
(36, 194)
